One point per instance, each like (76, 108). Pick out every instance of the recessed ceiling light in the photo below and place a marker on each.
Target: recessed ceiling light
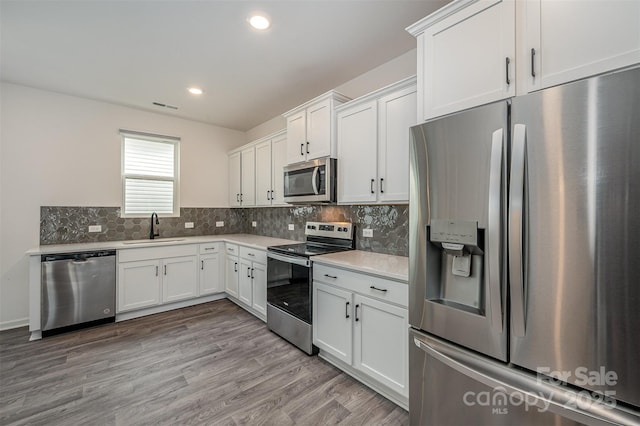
(195, 91)
(259, 22)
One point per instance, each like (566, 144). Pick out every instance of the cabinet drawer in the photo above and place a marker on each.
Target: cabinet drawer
(132, 255)
(208, 248)
(253, 255)
(375, 287)
(231, 249)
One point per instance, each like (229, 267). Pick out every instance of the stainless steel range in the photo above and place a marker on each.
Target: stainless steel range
(289, 280)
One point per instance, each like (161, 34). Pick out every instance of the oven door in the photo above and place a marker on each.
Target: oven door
(289, 284)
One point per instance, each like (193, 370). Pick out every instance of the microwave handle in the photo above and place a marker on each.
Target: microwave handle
(314, 178)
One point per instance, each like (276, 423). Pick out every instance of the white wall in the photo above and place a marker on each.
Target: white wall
(388, 73)
(60, 150)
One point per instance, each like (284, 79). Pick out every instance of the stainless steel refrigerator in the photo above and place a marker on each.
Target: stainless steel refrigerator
(524, 270)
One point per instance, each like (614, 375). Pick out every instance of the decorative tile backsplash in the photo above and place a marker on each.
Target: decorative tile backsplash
(60, 225)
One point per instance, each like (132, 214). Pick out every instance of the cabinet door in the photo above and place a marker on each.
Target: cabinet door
(234, 179)
(463, 58)
(357, 136)
(138, 285)
(381, 342)
(332, 315)
(179, 279)
(296, 137)
(246, 286)
(248, 187)
(259, 302)
(397, 112)
(263, 174)
(577, 39)
(318, 130)
(210, 274)
(232, 276)
(279, 160)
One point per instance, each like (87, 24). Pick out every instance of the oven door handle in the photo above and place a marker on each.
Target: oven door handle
(289, 259)
(314, 178)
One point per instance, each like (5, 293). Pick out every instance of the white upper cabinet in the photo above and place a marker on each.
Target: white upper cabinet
(242, 177)
(373, 144)
(466, 56)
(270, 160)
(310, 128)
(467, 52)
(570, 40)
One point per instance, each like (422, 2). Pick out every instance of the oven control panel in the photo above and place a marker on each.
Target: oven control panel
(342, 230)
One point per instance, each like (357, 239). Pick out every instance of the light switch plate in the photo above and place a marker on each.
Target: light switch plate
(95, 228)
(254, 223)
(291, 227)
(367, 233)
(219, 224)
(188, 225)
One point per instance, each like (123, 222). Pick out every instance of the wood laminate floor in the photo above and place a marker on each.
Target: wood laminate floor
(211, 364)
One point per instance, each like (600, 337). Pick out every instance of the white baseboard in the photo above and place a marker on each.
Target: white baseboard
(8, 325)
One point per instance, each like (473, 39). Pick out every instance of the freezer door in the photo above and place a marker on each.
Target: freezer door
(574, 233)
(457, 269)
(449, 385)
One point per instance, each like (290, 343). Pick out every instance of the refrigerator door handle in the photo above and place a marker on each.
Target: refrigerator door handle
(516, 210)
(518, 385)
(494, 231)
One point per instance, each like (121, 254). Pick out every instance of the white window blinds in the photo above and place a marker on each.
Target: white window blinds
(149, 175)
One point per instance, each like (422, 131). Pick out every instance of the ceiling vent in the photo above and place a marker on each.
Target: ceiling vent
(164, 105)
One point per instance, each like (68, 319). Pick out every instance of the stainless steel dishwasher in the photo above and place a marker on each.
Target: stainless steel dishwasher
(78, 289)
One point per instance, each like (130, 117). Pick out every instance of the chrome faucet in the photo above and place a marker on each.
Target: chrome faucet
(154, 233)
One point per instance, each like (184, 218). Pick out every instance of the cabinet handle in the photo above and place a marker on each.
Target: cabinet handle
(248, 272)
(272, 192)
(209, 248)
(507, 61)
(250, 254)
(238, 197)
(251, 273)
(156, 270)
(379, 289)
(268, 192)
(301, 149)
(381, 182)
(346, 310)
(533, 55)
(241, 197)
(330, 276)
(165, 269)
(202, 265)
(372, 182)
(307, 147)
(357, 319)
(235, 266)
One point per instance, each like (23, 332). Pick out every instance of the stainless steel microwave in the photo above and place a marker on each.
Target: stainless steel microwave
(311, 182)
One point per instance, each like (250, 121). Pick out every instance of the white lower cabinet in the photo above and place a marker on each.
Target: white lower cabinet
(211, 270)
(360, 323)
(252, 292)
(153, 276)
(232, 275)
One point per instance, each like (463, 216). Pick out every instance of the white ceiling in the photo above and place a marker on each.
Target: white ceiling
(137, 52)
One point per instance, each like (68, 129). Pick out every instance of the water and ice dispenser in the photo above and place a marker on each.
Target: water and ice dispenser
(455, 255)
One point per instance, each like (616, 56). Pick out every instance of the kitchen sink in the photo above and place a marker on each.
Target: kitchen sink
(158, 241)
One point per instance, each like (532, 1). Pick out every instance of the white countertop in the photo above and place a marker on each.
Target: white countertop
(256, 241)
(383, 265)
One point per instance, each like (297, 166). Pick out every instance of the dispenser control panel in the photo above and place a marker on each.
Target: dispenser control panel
(454, 231)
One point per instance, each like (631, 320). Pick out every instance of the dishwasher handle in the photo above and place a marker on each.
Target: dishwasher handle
(78, 256)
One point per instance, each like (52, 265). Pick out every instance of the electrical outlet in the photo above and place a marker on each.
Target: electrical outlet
(188, 225)
(292, 227)
(254, 223)
(219, 224)
(95, 228)
(367, 233)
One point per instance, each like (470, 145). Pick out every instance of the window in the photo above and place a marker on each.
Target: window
(150, 175)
